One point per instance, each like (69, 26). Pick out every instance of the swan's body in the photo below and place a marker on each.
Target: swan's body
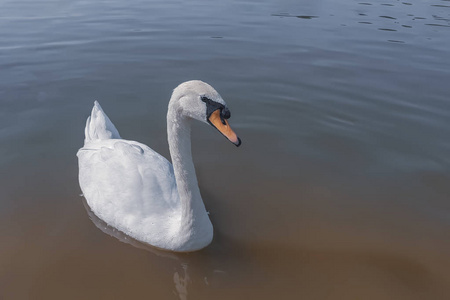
(137, 191)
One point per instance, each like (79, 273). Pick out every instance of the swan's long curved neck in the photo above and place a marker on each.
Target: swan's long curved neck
(179, 136)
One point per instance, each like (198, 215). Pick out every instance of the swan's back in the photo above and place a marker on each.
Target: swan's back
(127, 184)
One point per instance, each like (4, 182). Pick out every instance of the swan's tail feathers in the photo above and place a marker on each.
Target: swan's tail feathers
(99, 126)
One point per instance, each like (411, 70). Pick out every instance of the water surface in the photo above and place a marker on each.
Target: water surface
(339, 191)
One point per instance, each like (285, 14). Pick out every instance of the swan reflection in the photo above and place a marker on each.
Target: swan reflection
(181, 282)
(181, 277)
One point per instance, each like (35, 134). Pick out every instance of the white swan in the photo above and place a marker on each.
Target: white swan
(136, 190)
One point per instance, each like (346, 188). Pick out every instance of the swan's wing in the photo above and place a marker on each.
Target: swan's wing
(127, 184)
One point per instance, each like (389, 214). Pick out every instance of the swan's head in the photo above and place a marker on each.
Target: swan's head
(198, 100)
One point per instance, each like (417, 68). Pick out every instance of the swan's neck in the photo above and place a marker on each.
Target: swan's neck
(194, 219)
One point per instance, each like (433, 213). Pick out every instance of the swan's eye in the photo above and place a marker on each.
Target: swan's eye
(205, 99)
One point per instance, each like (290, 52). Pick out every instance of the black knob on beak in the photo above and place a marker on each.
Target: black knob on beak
(225, 113)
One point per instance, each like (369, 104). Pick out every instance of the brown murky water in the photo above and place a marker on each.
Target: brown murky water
(339, 191)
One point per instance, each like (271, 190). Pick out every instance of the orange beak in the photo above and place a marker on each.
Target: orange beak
(224, 128)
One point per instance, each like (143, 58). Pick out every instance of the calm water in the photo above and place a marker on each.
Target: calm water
(340, 190)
